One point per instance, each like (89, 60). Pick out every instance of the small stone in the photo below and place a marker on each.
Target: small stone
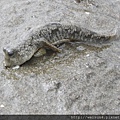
(16, 67)
(2, 106)
(80, 48)
(87, 66)
(50, 86)
(87, 13)
(87, 55)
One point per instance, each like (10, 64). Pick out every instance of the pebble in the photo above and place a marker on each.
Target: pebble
(2, 106)
(80, 48)
(16, 67)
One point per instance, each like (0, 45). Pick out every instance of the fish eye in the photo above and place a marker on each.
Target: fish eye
(10, 53)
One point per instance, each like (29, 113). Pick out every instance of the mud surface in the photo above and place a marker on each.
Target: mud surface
(83, 79)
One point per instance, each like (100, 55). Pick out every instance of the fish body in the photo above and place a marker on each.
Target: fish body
(48, 36)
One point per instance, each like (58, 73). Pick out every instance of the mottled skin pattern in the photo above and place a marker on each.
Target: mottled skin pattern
(47, 35)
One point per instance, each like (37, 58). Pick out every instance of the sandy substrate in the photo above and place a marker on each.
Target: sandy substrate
(83, 79)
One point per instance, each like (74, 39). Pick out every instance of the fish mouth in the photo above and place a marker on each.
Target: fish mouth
(7, 62)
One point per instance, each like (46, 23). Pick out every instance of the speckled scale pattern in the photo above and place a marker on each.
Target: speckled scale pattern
(51, 33)
(55, 31)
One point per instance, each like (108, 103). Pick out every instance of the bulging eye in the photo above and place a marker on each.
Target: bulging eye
(10, 53)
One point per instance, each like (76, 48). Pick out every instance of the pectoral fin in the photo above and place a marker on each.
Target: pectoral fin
(49, 45)
(40, 52)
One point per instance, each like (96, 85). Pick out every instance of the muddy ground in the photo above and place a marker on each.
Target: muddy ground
(83, 79)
